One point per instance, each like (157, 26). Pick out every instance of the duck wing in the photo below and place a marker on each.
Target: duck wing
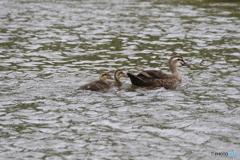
(140, 79)
(154, 74)
(166, 83)
(95, 86)
(153, 78)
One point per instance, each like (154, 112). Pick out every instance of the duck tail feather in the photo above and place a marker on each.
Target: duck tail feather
(136, 80)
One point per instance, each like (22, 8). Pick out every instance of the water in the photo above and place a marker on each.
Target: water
(49, 49)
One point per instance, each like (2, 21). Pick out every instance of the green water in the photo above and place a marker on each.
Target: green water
(50, 48)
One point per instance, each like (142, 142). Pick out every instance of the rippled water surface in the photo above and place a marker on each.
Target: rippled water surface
(50, 48)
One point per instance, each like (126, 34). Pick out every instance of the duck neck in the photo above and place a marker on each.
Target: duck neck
(175, 72)
(103, 80)
(117, 79)
(174, 69)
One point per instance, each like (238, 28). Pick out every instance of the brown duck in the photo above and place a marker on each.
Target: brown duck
(98, 85)
(154, 78)
(117, 75)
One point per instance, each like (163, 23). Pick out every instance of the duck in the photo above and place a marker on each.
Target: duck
(98, 85)
(117, 75)
(155, 78)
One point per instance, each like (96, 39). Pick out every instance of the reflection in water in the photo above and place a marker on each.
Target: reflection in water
(49, 49)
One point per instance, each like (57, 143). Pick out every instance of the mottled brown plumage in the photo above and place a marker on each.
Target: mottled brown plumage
(98, 85)
(154, 78)
(117, 75)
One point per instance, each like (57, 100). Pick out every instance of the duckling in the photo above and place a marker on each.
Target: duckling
(98, 85)
(117, 75)
(154, 78)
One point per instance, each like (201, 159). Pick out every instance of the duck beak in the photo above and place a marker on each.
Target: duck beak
(188, 65)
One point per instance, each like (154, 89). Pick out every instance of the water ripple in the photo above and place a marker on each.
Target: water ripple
(49, 49)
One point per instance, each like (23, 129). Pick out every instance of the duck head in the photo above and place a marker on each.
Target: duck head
(177, 61)
(119, 74)
(105, 75)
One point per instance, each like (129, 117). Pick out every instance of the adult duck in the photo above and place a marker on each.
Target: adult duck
(154, 78)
